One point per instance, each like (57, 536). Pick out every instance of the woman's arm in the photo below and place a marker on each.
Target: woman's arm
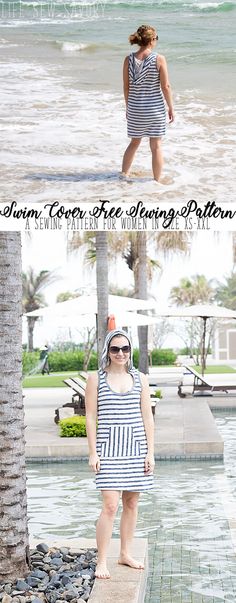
(126, 79)
(91, 394)
(148, 421)
(165, 85)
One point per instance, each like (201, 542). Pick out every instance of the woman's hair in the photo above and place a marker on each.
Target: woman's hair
(105, 351)
(143, 36)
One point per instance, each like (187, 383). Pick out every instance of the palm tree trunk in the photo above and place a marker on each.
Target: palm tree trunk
(13, 506)
(141, 289)
(102, 288)
(30, 324)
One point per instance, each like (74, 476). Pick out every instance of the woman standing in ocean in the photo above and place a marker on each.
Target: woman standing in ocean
(121, 449)
(146, 85)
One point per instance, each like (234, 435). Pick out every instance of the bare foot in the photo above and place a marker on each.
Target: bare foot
(127, 560)
(102, 571)
(123, 176)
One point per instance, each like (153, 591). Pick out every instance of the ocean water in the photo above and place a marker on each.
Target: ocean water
(63, 126)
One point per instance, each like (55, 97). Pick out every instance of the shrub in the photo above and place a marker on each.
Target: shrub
(163, 357)
(136, 358)
(70, 360)
(157, 394)
(29, 361)
(73, 427)
(159, 357)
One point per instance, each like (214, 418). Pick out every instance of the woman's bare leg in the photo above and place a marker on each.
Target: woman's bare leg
(129, 155)
(157, 158)
(127, 527)
(104, 530)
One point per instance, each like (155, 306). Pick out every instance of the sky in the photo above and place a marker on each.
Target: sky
(211, 255)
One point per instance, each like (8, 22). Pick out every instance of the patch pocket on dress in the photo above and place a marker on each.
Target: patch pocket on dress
(121, 441)
(137, 447)
(105, 448)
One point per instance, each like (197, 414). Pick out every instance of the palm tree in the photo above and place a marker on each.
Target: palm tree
(194, 290)
(97, 252)
(13, 506)
(190, 291)
(142, 265)
(102, 289)
(33, 284)
(142, 293)
(226, 292)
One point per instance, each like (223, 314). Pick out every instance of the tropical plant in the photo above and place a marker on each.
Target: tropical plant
(165, 244)
(65, 296)
(33, 284)
(14, 545)
(225, 293)
(194, 290)
(190, 291)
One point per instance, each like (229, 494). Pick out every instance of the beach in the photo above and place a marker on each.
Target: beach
(63, 116)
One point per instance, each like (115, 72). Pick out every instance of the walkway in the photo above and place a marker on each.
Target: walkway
(184, 428)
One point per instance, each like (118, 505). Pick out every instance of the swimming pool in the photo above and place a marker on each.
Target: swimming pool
(191, 553)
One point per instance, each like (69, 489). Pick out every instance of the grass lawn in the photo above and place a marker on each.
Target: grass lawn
(52, 380)
(218, 369)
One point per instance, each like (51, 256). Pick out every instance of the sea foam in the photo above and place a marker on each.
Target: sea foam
(72, 47)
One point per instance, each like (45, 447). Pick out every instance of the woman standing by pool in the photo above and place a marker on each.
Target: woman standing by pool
(146, 84)
(121, 450)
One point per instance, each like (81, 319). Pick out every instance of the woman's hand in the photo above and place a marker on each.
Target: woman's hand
(149, 464)
(94, 462)
(171, 115)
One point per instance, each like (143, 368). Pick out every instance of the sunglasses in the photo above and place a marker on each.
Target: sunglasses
(114, 349)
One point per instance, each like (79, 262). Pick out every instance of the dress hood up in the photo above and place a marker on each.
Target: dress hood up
(109, 337)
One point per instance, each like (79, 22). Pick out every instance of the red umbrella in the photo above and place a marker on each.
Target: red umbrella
(111, 322)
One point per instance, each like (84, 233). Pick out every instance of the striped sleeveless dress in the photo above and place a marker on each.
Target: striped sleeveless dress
(121, 438)
(146, 113)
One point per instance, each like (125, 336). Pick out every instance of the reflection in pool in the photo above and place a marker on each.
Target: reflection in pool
(191, 555)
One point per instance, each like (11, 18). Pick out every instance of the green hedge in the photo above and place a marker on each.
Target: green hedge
(29, 361)
(159, 357)
(163, 357)
(74, 427)
(72, 360)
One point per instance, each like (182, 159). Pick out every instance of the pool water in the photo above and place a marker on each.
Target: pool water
(186, 519)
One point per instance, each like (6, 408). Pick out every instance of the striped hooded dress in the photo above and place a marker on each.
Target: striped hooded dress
(121, 438)
(146, 114)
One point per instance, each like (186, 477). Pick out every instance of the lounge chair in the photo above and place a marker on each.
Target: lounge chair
(208, 383)
(78, 398)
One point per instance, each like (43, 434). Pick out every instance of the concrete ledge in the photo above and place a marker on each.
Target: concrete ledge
(62, 449)
(125, 584)
(186, 429)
